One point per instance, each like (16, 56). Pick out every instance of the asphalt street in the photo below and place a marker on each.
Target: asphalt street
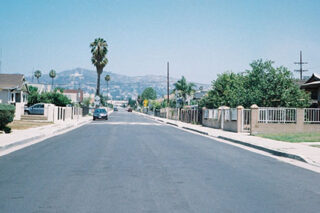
(133, 164)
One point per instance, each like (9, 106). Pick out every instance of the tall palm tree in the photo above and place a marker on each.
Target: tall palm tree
(107, 79)
(99, 49)
(184, 88)
(37, 74)
(52, 75)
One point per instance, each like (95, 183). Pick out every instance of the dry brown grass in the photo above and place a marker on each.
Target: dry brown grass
(20, 125)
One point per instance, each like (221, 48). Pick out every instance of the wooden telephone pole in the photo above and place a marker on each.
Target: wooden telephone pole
(168, 84)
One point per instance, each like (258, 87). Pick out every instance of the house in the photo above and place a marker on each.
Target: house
(13, 89)
(199, 94)
(312, 85)
(75, 95)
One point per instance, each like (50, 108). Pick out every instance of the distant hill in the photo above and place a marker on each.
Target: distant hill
(120, 86)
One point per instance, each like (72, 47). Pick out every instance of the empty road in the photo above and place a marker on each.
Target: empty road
(132, 164)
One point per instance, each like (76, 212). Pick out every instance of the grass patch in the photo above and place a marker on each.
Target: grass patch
(20, 125)
(293, 137)
(318, 146)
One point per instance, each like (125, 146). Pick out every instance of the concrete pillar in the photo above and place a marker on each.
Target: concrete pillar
(300, 119)
(167, 112)
(239, 118)
(254, 119)
(19, 111)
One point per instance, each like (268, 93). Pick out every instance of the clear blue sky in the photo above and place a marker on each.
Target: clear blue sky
(199, 38)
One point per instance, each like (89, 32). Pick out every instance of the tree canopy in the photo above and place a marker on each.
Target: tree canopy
(55, 97)
(99, 49)
(263, 84)
(183, 88)
(37, 74)
(149, 94)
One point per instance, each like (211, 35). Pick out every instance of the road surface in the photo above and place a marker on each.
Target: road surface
(132, 164)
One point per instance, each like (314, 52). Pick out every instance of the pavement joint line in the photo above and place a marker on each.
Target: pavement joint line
(270, 151)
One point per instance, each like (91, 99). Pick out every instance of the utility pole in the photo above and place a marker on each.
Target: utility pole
(300, 63)
(168, 90)
(168, 84)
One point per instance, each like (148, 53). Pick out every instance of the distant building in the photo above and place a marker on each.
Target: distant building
(75, 95)
(312, 85)
(13, 89)
(199, 94)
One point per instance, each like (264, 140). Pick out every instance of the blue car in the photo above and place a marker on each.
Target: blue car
(100, 113)
(37, 109)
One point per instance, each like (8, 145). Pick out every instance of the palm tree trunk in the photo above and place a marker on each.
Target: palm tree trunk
(52, 84)
(107, 92)
(98, 83)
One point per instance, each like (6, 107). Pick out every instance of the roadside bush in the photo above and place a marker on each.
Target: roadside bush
(7, 129)
(6, 116)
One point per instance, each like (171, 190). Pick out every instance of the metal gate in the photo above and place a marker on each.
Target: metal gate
(246, 120)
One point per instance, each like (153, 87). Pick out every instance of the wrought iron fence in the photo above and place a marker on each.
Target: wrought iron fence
(277, 115)
(312, 115)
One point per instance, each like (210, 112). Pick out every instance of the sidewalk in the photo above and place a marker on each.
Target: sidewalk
(298, 151)
(21, 138)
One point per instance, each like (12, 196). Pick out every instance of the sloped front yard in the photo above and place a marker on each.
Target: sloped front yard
(20, 125)
(293, 137)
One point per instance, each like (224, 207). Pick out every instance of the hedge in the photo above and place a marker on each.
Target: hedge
(6, 115)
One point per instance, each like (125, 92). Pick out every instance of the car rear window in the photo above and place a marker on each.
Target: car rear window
(100, 111)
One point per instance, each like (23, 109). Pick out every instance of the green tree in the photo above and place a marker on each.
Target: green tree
(99, 60)
(52, 75)
(183, 88)
(132, 103)
(227, 90)
(148, 94)
(56, 97)
(263, 84)
(270, 86)
(86, 102)
(34, 96)
(37, 74)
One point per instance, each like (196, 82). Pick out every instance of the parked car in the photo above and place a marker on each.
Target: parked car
(100, 113)
(129, 109)
(115, 109)
(37, 109)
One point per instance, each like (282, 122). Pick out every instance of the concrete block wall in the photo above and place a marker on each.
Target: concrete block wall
(273, 128)
(222, 123)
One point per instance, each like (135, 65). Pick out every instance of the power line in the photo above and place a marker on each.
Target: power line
(301, 63)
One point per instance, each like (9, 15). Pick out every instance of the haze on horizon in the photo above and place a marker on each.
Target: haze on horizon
(200, 39)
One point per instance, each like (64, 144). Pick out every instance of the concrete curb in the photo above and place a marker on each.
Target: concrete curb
(195, 130)
(43, 136)
(271, 151)
(261, 148)
(171, 124)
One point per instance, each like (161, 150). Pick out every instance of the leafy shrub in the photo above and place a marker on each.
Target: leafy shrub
(7, 129)
(6, 115)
